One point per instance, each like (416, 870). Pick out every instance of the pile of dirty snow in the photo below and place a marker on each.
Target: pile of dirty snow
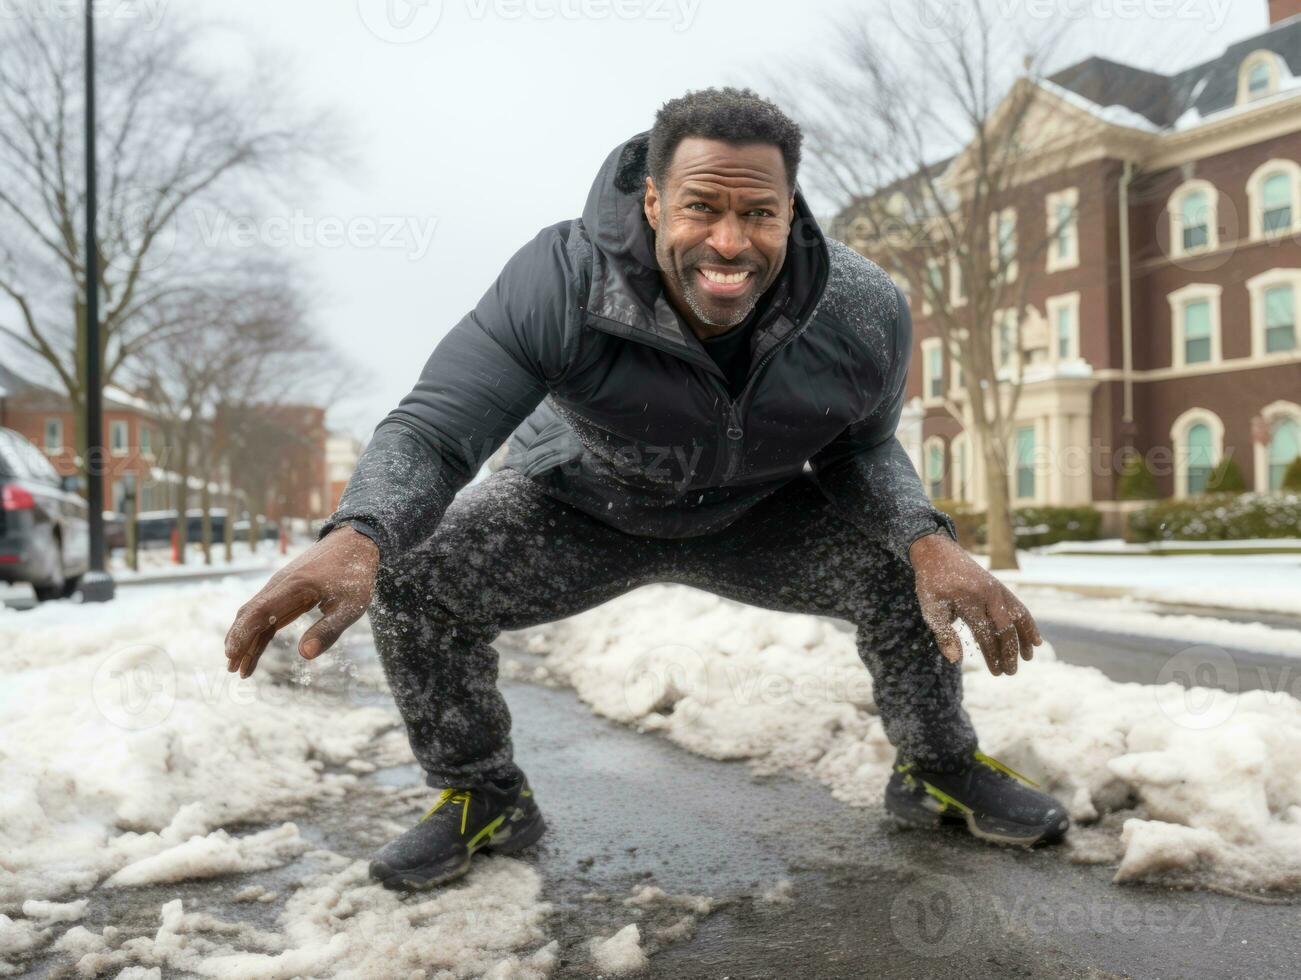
(341, 924)
(131, 757)
(1192, 786)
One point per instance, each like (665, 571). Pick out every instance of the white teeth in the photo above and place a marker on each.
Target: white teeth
(725, 277)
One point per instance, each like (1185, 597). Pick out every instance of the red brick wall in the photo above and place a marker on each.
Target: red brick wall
(28, 419)
(1283, 9)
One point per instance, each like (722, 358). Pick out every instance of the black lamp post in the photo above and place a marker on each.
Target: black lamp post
(97, 584)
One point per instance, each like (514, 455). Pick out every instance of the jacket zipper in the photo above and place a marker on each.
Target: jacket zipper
(733, 432)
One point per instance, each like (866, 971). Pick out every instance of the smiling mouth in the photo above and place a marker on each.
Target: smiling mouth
(725, 284)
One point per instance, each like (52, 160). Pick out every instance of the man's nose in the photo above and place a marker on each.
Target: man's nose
(727, 236)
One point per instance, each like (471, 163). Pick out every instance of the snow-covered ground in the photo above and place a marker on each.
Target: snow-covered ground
(130, 757)
(1259, 583)
(1194, 786)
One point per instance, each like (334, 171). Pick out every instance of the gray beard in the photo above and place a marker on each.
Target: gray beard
(693, 301)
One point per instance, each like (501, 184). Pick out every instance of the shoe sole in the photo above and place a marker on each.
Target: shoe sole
(914, 818)
(424, 879)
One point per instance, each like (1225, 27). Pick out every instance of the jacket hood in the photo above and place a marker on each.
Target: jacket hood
(625, 267)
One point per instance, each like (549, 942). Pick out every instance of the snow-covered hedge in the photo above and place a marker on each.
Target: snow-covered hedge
(1219, 517)
(1033, 526)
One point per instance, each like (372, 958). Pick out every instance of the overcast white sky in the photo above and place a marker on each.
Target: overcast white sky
(488, 118)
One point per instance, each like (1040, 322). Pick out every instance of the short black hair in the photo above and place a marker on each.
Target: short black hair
(734, 115)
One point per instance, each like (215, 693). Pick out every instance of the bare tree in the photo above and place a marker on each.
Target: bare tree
(921, 140)
(232, 337)
(173, 137)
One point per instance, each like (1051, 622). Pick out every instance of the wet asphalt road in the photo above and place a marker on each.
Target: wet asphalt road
(868, 899)
(1151, 660)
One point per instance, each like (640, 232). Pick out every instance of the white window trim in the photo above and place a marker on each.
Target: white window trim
(928, 345)
(1178, 300)
(960, 476)
(126, 443)
(1256, 198)
(1271, 413)
(1070, 196)
(1270, 59)
(929, 443)
(995, 253)
(1036, 457)
(1257, 286)
(1179, 443)
(957, 297)
(1053, 305)
(1174, 210)
(45, 435)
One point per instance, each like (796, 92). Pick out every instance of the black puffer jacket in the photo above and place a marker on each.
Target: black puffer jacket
(617, 409)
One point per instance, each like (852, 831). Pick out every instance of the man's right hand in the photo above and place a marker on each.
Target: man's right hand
(336, 574)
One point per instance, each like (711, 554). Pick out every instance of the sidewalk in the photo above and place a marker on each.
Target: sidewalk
(157, 565)
(1267, 584)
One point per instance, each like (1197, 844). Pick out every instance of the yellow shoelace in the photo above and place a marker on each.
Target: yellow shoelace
(993, 763)
(461, 796)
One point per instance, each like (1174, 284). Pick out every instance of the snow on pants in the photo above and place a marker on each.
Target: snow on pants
(507, 556)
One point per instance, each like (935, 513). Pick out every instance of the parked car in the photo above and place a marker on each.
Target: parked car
(154, 528)
(114, 530)
(44, 531)
(267, 530)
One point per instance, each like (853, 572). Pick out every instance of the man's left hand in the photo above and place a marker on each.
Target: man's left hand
(950, 586)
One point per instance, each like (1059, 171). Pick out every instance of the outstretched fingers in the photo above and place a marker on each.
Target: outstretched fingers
(258, 621)
(339, 614)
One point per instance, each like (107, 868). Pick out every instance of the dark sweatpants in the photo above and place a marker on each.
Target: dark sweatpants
(506, 556)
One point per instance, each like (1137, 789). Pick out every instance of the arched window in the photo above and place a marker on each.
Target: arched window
(1284, 447)
(1194, 216)
(1275, 310)
(1274, 196)
(1258, 76)
(1200, 457)
(1258, 79)
(1194, 221)
(1276, 203)
(1198, 440)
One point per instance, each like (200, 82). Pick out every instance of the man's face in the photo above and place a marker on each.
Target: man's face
(721, 224)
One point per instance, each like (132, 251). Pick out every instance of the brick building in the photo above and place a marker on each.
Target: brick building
(283, 448)
(279, 453)
(1180, 337)
(132, 433)
(341, 454)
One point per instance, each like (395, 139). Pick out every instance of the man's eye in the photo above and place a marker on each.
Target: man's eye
(760, 213)
(698, 206)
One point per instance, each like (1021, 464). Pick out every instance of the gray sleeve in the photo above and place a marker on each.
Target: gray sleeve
(865, 473)
(483, 378)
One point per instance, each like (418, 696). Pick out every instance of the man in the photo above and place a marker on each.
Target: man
(701, 389)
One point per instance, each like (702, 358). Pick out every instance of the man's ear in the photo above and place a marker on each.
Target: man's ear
(652, 204)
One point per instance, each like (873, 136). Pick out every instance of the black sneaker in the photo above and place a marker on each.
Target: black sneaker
(461, 823)
(995, 803)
